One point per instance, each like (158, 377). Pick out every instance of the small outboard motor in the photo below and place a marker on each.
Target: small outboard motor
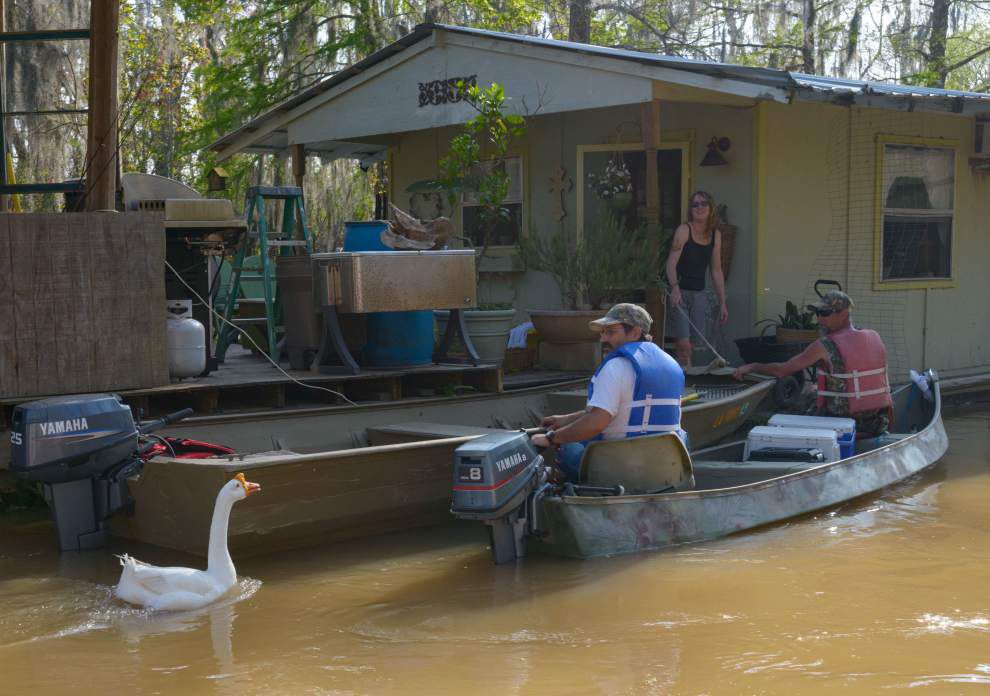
(499, 479)
(82, 449)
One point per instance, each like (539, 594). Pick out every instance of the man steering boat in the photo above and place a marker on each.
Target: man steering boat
(635, 391)
(852, 368)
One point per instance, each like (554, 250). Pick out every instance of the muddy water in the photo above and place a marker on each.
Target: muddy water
(886, 591)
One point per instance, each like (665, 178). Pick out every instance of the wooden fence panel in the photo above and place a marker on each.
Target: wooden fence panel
(43, 229)
(22, 263)
(78, 332)
(87, 303)
(8, 329)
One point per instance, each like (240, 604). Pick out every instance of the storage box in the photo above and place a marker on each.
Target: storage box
(776, 437)
(845, 428)
(359, 282)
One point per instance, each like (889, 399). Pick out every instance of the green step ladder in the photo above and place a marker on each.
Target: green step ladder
(293, 235)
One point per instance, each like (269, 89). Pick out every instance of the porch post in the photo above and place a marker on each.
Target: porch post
(101, 136)
(299, 164)
(650, 120)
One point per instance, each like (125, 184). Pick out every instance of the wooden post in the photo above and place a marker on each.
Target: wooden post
(101, 138)
(650, 120)
(299, 164)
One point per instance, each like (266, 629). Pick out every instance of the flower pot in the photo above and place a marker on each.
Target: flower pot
(619, 203)
(565, 326)
(796, 335)
(488, 329)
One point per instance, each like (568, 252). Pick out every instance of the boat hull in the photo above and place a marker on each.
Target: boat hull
(370, 479)
(586, 527)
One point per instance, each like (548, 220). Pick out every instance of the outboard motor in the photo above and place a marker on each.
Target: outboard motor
(499, 479)
(82, 449)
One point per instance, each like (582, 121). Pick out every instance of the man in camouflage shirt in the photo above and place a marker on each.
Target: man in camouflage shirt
(833, 315)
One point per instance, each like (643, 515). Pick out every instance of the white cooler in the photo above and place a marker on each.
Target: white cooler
(771, 437)
(845, 428)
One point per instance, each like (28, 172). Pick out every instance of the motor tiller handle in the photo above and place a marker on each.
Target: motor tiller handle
(151, 426)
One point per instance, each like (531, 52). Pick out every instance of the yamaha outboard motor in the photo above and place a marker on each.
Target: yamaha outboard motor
(499, 479)
(82, 449)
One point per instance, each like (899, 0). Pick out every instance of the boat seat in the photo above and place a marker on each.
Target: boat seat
(647, 464)
(413, 431)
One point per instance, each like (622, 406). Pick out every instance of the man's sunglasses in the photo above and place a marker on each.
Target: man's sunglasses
(827, 312)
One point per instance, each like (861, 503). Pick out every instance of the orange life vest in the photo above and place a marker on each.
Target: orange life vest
(865, 358)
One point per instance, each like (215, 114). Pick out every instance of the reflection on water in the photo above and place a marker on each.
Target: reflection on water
(886, 591)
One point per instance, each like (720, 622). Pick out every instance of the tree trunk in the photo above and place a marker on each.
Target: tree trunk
(937, 69)
(809, 16)
(579, 21)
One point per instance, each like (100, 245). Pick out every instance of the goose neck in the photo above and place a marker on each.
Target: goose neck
(219, 563)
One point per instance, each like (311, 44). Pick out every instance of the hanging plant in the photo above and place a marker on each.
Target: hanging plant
(614, 180)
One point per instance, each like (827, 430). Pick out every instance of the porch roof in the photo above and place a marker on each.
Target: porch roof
(268, 132)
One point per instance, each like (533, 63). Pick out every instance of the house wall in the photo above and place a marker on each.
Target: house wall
(552, 140)
(817, 219)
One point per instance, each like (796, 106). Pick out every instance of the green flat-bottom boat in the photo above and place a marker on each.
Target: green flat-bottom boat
(647, 493)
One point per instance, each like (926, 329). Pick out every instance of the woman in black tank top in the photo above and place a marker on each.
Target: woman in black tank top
(696, 248)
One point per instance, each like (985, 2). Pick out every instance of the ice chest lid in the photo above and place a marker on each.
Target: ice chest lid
(776, 432)
(841, 425)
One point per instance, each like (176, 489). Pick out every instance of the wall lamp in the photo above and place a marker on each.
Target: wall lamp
(716, 146)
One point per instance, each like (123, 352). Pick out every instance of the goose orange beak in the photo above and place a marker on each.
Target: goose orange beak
(249, 487)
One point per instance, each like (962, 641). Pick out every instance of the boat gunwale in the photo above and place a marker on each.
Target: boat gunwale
(335, 409)
(255, 461)
(754, 389)
(765, 483)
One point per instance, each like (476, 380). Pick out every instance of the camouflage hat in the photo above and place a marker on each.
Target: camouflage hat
(624, 313)
(834, 301)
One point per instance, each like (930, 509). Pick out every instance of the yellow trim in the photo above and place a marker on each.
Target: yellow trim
(883, 140)
(760, 194)
(676, 140)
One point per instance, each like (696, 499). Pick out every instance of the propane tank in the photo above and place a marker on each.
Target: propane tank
(185, 339)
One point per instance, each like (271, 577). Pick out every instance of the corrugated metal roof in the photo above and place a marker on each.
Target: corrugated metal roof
(840, 85)
(799, 85)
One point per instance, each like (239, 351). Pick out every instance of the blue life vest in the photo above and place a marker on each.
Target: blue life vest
(656, 403)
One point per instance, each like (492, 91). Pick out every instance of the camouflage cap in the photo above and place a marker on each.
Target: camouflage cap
(834, 301)
(624, 313)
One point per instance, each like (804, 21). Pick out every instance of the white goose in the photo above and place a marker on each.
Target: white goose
(178, 589)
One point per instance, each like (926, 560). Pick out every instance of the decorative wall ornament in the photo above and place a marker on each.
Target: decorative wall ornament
(445, 91)
(560, 184)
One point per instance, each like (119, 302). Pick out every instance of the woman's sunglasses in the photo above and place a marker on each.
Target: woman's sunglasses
(699, 204)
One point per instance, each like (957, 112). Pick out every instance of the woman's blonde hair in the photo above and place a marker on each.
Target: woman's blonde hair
(713, 220)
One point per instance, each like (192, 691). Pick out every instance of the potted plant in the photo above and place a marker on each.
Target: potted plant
(592, 273)
(613, 185)
(793, 326)
(474, 166)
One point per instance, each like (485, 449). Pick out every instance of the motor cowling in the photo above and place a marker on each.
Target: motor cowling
(495, 480)
(69, 438)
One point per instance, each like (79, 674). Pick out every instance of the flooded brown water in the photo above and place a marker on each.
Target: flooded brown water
(888, 591)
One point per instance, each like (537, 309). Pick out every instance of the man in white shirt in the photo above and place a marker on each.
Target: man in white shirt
(635, 391)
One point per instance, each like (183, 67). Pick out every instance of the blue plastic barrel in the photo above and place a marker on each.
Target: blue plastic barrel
(395, 339)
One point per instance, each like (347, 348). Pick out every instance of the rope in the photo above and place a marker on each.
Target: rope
(701, 333)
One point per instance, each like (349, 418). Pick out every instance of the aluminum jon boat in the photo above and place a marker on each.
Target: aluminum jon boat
(617, 509)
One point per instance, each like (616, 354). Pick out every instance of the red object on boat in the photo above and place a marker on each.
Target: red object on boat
(184, 448)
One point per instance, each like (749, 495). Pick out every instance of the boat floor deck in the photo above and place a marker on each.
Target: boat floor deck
(246, 381)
